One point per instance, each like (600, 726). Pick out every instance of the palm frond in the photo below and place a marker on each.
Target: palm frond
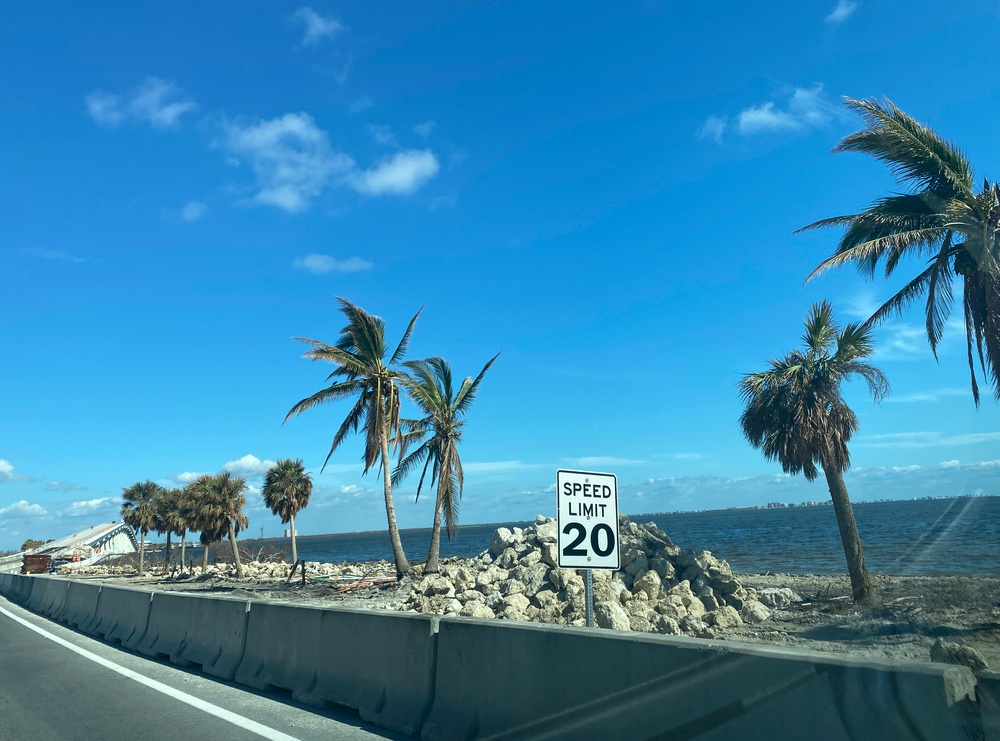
(404, 343)
(913, 152)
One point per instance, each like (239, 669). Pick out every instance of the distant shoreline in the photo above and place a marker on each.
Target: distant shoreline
(522, 523)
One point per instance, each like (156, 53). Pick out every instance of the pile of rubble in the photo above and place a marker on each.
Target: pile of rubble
(659, 589)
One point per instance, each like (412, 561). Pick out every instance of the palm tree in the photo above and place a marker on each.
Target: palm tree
(431, 389)
(364, 369)
(139, 512)
(795, 413)
(186, 514)
(168, 519)
(286, 491)
(232, 500)
(218, 512)
(201, 515)
(942, 218)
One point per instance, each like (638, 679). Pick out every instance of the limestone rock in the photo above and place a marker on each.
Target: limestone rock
(650, 584)
(642, 618)
(501, 540)
(955, 653)
(611, 616)
(754, 612)
(725, 617)
(778, 599)
(476, 609)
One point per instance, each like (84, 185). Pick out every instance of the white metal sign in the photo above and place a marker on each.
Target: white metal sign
(587, 507)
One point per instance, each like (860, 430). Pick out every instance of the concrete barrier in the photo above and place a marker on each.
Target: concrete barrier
(20, 591)
(48, 595)
(988, 693)
(5, 582)
(571, 683)
(190, 630)
(79, 605)
(379, 663)
(121, 617)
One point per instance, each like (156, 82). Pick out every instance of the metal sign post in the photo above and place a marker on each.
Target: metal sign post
(587, 508)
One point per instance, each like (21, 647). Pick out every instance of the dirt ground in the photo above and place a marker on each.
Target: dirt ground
(914, 611)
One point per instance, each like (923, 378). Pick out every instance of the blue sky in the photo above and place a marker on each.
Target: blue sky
(606, 196)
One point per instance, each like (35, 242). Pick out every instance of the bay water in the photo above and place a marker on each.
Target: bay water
(919, 537)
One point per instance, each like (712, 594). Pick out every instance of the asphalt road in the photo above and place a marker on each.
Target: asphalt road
(58, 685)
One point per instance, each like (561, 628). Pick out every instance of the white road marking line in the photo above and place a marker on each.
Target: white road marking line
(236, 720)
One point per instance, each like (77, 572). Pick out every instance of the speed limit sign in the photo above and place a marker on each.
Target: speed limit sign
(587, 507)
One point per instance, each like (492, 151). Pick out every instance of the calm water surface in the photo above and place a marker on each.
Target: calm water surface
(944, 536)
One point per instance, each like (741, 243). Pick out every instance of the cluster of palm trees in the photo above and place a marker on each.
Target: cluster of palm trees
(365, 371)
(210, 505)
(794, 410)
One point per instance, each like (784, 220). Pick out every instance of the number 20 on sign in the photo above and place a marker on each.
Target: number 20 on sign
(587, 507)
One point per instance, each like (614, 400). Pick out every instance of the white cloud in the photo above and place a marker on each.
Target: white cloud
(21, 509)
(63, 486)
(805, 109)
(192, 211)
(294, 162)
(291, 157)
(7, 473)
(104, 108)
(248, 465)
(361, 104)
(713, 128)
(55, 256)
(91, 506)
(424, 129)
(158, 102)
(401, 174)
(187, 477)
(317, 26)
(383, 135)
(765, 117)
(322, 264)
(844, 9)
(688, 456)
(950, 464)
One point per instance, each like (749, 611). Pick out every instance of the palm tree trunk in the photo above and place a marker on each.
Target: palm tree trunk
(861, 583)
(204, 557)
(291, 529)
(236, 551)
(166, 560)
(431, 567)
(142, 551)
(402, 565)
(183, 542)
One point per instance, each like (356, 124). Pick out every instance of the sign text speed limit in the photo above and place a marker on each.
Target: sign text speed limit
(587, 506)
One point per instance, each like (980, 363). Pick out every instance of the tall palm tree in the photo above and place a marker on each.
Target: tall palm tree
(219, 512)
(202, 515)
(187, 514)
(287, 488)
(139, 512)
(796, 415)
(364, 369)
(942, 218)
(168, 519)
(440, 431)
(232, 498)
